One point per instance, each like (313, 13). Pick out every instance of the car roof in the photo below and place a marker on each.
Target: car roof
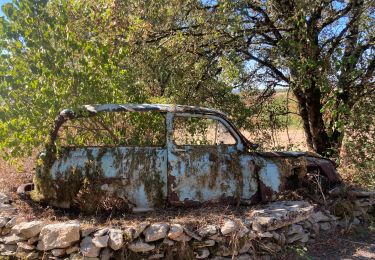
(163, 108)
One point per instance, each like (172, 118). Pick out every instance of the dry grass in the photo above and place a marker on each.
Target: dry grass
(11, 176)
(290, 139)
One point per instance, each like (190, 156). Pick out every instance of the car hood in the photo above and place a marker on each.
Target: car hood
(290, 154)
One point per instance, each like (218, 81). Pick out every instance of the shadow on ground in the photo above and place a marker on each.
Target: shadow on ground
(356, 244)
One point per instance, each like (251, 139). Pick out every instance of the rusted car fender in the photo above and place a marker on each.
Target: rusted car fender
(281, 171)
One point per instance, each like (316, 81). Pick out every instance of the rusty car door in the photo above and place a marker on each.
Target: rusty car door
(134, 172)
(208, 173)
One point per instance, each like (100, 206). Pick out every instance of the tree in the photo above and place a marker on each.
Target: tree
(323, 51)
(59, 54)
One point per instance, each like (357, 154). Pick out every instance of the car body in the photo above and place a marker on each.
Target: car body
(179, 171)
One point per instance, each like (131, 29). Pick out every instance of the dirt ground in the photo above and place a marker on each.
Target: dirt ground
(357, 244)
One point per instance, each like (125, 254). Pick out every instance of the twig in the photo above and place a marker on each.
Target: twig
(320, 189)
(355, 242)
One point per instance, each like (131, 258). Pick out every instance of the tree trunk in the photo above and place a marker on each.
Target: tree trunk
(313, 124)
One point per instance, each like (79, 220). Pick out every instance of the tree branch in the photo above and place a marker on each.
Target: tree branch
(336, 16)
(267, 19)
(268, 64)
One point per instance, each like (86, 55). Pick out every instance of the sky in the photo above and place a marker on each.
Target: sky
(1, 3)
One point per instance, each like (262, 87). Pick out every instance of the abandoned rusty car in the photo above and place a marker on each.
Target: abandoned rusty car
(145, 156)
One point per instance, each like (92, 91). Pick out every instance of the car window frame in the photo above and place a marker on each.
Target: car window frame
(164, 146)
(232, 132)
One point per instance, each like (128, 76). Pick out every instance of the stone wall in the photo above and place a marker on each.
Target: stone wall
(264, 231)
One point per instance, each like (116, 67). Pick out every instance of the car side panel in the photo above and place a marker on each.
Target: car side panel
(135, 174)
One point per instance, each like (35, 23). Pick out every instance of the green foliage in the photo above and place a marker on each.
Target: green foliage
(358, 155)
(114, 129)
(58, 54)
(300, 252)
(51, 60)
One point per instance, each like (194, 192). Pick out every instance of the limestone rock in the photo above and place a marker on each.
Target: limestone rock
(156, 256)
(265, 234)
(245, 247)
(208, 230)
(294, 229)
(9, 248)
(305, 238)
(218, 238)
(192, 234)
(58, 252)
(116, 239)
(10, 253)
(307, 224)
(168, 242)
(316, 228)
(28, 229)
(5, 199)
(319, 217)
(206, 243)
(356, 221)
(87, 231)
(140, 228)
(13, 239)
(101, 241)
(325, 226)
(244, 257)
(11, 223)
(59, 235)
(5, 231)
(3, 221)
(224, 250)
(7, 209)
(106, 254)
(155, 232)
(302, 237)
(365, 202)
(175, 231)
(72, 249)
(251, 235)
(140, 247)
(21, 254)
(25, 246)
(201, 253)
(243, 231)
(279, 214)
(229, 227)
(344, 223)
(280, 238)
(32, 240)
(88, 248)
(101, 232)
(183, 238)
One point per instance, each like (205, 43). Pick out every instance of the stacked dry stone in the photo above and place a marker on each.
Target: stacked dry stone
(263, 231)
